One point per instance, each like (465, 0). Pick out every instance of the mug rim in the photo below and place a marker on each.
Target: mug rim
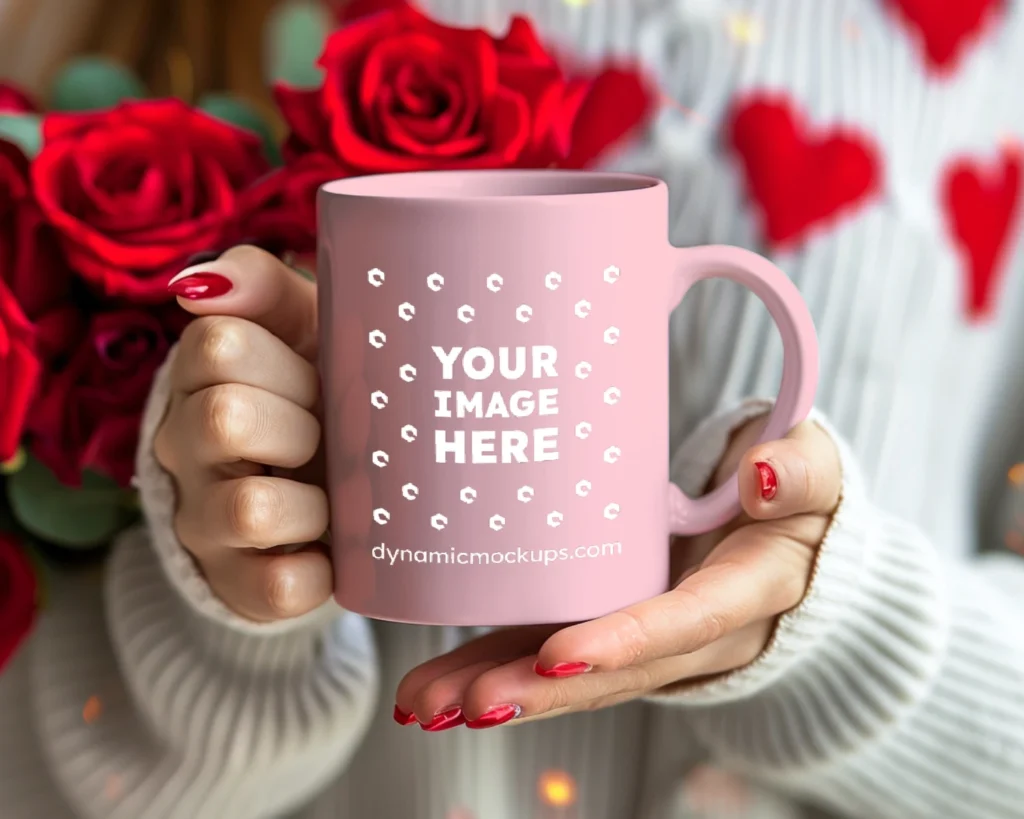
(498, 185)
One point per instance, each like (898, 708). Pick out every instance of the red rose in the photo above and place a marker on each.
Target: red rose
(404, 93)
(18, 595)
(281, 208)
(137, 190)
(15, 101)
(19, 372)
(31, 264)
(89, 412)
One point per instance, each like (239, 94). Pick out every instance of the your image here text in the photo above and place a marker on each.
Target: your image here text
(507, 364)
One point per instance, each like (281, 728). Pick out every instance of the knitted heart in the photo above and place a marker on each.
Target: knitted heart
(945, 26)
(980, 203)
(798, 178)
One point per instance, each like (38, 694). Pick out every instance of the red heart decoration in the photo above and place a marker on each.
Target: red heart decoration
(980, 203)
(945, 26)
(800, 179)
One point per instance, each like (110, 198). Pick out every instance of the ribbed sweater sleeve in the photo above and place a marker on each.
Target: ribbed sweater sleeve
(895, 689)
(227, 718)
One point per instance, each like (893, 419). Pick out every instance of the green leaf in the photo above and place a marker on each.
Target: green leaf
(74, 517)
(24, 130)
(240, 113)
(295, 36)
(91, 83)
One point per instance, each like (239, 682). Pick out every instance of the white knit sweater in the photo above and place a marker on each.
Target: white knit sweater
(896, 689)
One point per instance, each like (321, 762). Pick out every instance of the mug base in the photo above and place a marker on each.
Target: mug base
(539, 616)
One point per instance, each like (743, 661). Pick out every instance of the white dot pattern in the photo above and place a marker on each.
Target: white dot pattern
(466, 313)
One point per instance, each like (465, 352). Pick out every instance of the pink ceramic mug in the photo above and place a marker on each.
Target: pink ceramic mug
(495, 375)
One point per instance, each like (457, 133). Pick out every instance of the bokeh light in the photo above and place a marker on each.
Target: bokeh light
(744, 28)
(557, 788)
(712, 790)
(113, 788)
(1009, 143)
(1016, 474)
(16, 462)
(92, 710)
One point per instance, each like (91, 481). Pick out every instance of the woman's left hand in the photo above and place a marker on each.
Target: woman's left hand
(719, 616)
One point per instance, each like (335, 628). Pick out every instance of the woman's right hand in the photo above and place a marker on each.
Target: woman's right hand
(241, 437)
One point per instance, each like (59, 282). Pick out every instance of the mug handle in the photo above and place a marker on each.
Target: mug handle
(689, 516)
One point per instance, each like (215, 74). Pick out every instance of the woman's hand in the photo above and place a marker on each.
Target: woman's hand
(241, 437)
(735, 583)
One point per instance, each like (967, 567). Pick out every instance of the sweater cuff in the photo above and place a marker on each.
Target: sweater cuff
(159, 503)
(870, 620)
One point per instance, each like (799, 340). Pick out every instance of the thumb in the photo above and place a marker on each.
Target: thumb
(250, 283)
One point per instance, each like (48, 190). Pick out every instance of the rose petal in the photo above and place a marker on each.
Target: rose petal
(508, 127)
(551, 141)
(411, 51)
(452, 122)
(19, 371)
(415, 92)
(88, 413)
(15, 101)
(13, 171)
(521, 42)
(280, 211)
(618, 101)
(403, 92)
(175, 126)
(471, 51)
(414, 55)
(426, 135)
(57, 330)
(18, 597)
(302, 110)
(111, 448)
(348, 45)
(135, 191)
(34, 269)
(128, 210)
(402, 138)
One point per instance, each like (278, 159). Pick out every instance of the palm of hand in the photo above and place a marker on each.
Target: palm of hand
(732, 585)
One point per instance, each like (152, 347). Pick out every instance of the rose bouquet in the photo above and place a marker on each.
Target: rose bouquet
(101, 205)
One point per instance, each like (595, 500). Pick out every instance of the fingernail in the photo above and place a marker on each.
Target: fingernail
(402, 718)
(498, 715)
(199, 284)
(560, 670)
(443, 720)
(769, 480)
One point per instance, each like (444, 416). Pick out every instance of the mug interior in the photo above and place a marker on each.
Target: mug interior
(488, 184)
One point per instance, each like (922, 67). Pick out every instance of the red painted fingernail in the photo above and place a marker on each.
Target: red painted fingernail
(200, 286)
(498, 715)
(769, 480)
(403, 718)
(449, 718)
(560, 670)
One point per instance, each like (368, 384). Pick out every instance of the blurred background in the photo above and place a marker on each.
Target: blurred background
(180, 48)
(224, 55)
